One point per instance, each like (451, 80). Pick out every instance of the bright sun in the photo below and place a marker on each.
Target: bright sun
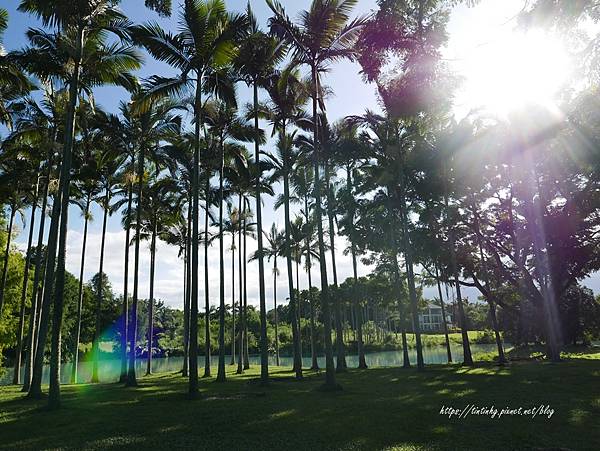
(514, 70)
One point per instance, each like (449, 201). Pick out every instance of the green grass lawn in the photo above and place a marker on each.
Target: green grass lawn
(383, 408)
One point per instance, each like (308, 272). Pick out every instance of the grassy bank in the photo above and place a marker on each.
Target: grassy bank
(378, 409)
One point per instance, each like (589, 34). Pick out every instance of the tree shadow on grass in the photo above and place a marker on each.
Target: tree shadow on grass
(379, 408)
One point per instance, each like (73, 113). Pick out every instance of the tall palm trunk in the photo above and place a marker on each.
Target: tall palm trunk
(193, 351)
(313, 329)
(246, 356)
(74, 369)
(467, 357)
(131, 376)
(221, 367)
(13, 211)
(339, 336)
(150, 336)
(233, 295)
(20, 330)
(65, 182)
(264, 352)
(186, 306)
(330, 383)
(35, 389)
(362, 363)
(240, 365)
(36, 295)
(275, 311)
(206, 287)
(288, 256)
(125, 311)
(410, 276)
(439, 287)
(97, 331)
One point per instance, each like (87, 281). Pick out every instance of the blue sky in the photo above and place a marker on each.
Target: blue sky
(490, 22)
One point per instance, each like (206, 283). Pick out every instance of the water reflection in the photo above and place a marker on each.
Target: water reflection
(109, 370)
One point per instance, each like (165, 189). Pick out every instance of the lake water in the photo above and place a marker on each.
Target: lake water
(109, 370)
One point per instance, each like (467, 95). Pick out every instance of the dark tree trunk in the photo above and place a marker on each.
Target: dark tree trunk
(131, 376)
(221, 368)
(193, 344)
(186, 307)
(97, 331)
(75, 368)
(264, 352)
(330, 382)
(339, 337)
(207, 372)
(233, 331)
(13, 211)
(150, 336)
(125, 310)
(297, 352)
(20, 330)
(246, 357)
(36, 293)
(445, 324)
(65, 184)
(275, 312)
(240, 365)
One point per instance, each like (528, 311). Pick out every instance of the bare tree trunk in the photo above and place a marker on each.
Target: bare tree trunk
(339, 337)
(264, 352)
(246, 357)
(240, 365)
(275, 312)
(221, 366)
(294, 307)
(233, 295)
(74, 369)
(150, 333)
(20, 330)
(207, 372)
(13, 211)
(36, 293)
(125, 310)
(439, 287)
(96, 342)
(186, 307)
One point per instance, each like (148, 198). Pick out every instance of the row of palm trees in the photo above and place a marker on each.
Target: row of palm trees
(146, 153)
(156, 162)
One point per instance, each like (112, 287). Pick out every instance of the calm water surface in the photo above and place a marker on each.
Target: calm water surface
(109, 370)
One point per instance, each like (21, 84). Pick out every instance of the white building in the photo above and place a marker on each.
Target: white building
(430, 318)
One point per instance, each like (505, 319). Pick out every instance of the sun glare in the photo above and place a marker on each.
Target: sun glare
(514, 70)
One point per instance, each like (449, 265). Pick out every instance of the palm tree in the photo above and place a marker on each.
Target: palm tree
(204, 45)
(259, 54)
(275, 247)
(107, 165)
(349, 151)
(39, 126)
(87, 216)
(323, 35)
(287, 96)
(83, 25)
(224, 125)
(149, 124)
(13, 81)
(231, 225)
(160, 210)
